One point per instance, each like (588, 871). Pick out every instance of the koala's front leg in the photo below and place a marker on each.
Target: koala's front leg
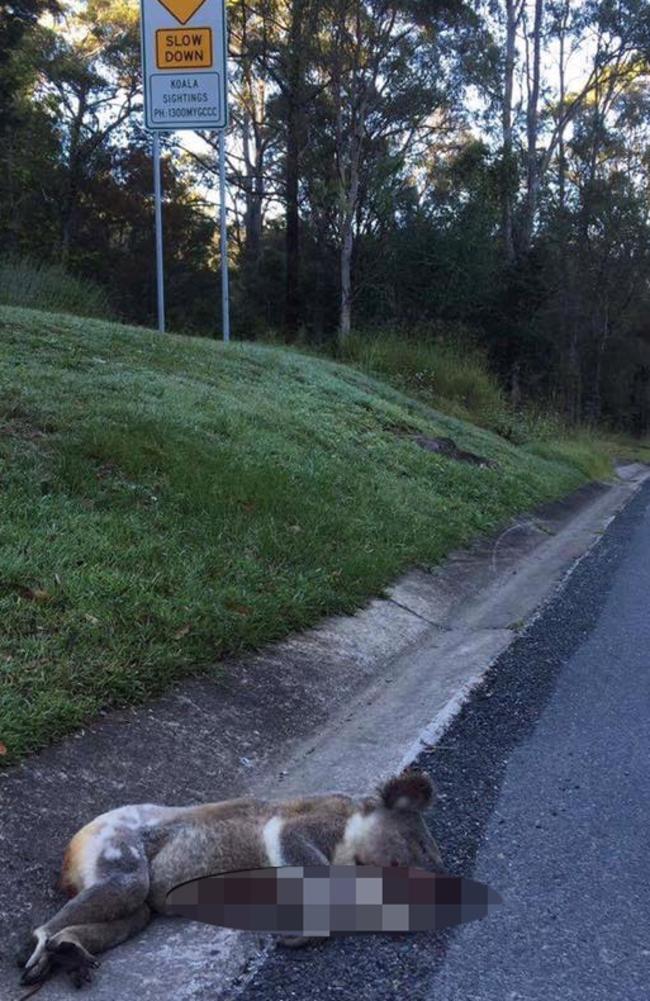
(298, 848)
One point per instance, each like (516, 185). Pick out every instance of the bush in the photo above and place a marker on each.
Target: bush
(52, 288)
(585, 451)
(449, 373)
(531, 424)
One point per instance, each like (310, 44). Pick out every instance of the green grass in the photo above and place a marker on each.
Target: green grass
(443, 371)
(587, 452)
(623, 448)
(168, 500)
(49, 286)
(445, 368)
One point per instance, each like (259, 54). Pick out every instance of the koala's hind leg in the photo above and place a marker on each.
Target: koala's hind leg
(74, 948)
(100, 917)
(120, 891)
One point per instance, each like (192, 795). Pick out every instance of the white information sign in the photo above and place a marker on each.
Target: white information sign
(184, 61)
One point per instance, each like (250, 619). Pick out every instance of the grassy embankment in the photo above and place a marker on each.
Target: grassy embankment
(167, 500)
(450, 374)
(50, 286)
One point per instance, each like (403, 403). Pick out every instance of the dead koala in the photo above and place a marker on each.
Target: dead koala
(120, 867)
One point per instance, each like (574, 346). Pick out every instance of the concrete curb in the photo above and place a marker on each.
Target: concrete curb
(389, 680)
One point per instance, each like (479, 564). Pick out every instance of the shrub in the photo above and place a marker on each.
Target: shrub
(584, 451)
(50, 287)
(450, 373)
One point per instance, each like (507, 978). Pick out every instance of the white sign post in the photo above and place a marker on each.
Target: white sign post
(185, 74)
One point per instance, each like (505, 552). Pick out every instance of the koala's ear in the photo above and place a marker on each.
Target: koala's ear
(409, 791)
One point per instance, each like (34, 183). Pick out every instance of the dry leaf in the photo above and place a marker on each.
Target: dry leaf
(240, 609)
(183, 631)
(33, 593)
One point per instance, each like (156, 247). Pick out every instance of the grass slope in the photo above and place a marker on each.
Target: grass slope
(165, 501)
(50, 286)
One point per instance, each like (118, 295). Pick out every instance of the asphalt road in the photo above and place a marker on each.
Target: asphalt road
(544, 783)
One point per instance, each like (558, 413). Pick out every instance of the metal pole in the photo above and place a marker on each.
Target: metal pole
(225, 310)
(157, 188)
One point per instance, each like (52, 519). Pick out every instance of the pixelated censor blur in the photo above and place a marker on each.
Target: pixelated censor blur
(323, 900)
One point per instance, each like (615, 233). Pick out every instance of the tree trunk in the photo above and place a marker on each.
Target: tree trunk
(507, 186)
(73, 179)
(596, 402)
(68, 212)
(532, 128)
(294, 97)
(254, 196)
(574, 402)
(346, 282)
(561, 179)
(350, 199)
(349, 142)
(11, 195)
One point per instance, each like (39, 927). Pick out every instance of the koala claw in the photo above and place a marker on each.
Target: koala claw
(34, 959)
(75, 960)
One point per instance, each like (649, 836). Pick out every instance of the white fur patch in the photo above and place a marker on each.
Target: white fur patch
(271, 838)
(357, 829)
(106, 830)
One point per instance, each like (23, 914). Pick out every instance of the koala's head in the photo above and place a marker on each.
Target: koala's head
(393, 831)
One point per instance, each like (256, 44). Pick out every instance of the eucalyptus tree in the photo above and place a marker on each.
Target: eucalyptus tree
(388, 76)
(91, 83)
(17, 19)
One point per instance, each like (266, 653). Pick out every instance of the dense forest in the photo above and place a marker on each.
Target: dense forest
(433, 167)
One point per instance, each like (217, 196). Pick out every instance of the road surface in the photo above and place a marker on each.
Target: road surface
(544, 783)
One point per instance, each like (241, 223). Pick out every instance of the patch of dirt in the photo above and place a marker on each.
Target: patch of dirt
(448, 448)
(20, 429)
(109, 470)
(17, 422)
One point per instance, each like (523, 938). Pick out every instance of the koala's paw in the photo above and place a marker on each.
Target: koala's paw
(34, 958)
(71, 957)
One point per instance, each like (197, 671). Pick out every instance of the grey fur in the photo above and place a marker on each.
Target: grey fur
(123, 864)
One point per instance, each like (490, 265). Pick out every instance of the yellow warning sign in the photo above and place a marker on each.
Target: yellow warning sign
(182, 10)
(178, 48)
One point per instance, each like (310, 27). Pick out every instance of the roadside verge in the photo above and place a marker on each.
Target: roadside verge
(337, 707)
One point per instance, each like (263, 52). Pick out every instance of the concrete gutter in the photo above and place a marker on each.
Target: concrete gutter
(339, 706)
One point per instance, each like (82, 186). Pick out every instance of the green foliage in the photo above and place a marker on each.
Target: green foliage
(443, 367)
(447, 371)
(589, 453)
(400, 174)
(169, 500)
(16, 19)
(532, 423)
(50, 287)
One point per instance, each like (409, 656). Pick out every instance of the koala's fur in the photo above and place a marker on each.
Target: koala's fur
(121, 866)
